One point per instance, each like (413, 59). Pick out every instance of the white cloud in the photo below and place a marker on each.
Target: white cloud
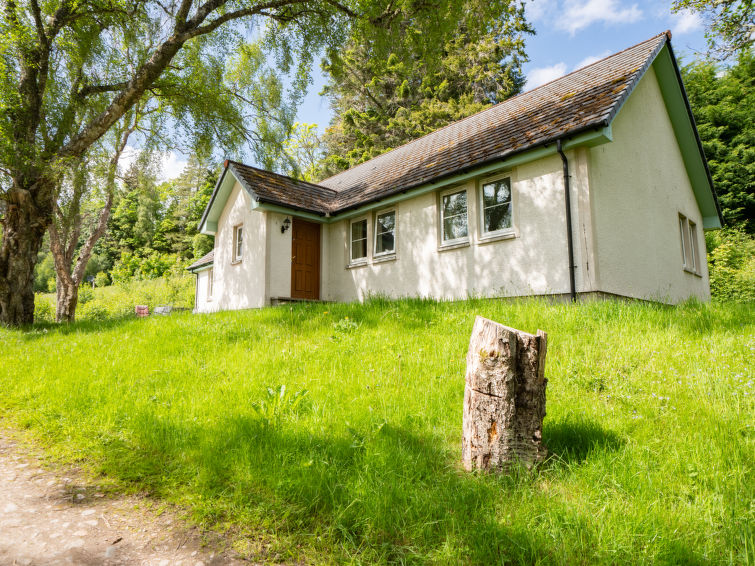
(172, 165)
(591, 59)
(579, 14)
(539, 9)
(686, 21)
(542, 75)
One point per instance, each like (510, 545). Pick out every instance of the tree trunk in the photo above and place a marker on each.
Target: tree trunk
(67, 300)
(504, 397)
(24, 226)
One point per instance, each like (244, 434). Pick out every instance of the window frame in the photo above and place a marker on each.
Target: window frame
(376, 233)
(689, 247)
(210, 283)
(503, 232)
(236, 253)
(441, 217)
(360, 260)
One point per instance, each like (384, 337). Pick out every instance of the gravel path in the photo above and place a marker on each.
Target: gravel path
(49, 519)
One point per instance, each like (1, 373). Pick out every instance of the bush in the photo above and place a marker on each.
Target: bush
(731, 262)
(44, 308)
(101, 279)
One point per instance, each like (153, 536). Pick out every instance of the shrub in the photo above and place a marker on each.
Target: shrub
(44, 308)
(731, 262)
(101, 279)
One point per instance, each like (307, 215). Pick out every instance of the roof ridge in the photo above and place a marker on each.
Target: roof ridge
(231, 161)
(515, 97)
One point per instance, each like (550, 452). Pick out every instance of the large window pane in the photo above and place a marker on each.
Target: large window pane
(359, 239)
(454, 211)
(385, 233)
(496, 205)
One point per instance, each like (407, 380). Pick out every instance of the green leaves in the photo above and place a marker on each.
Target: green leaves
(278, 404)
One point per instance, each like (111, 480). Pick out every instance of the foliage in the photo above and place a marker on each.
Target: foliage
(380, 103)
(731, 263)
(652, 448)
(723, 103)
(102, 279)
(730, 23)
(115, 302)
(304, 150)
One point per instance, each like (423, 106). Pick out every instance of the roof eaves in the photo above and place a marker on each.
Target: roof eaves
(212, 200)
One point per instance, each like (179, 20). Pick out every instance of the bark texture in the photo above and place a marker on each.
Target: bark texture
(504, 397)
(23, 229)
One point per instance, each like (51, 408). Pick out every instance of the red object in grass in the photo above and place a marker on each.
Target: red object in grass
(141, 310)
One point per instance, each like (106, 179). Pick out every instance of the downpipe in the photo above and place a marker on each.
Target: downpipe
(569, 237)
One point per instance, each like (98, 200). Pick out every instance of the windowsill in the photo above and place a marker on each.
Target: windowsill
(358, 263)
(692, 272)
(453, 246)
(384, 258)
(496, 237)
(236, 262)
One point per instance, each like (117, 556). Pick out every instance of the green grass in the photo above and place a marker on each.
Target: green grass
(650, 425)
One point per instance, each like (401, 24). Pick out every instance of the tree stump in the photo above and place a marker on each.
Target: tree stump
(504, 397)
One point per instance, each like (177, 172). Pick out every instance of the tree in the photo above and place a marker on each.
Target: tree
(723, 103)
(71, 259)
(304, 151)
(71, 70)
(381, 103)
(730, 24)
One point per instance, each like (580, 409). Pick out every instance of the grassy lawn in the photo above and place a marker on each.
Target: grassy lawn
(650, 425)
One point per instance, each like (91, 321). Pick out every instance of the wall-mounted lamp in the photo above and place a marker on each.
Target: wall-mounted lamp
(286, 225)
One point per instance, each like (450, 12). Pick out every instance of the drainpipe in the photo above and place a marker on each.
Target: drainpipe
(569, 237)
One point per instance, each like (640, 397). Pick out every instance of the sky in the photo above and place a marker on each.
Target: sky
(569, 34)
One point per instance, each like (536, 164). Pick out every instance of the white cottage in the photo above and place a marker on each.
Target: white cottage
(593, 184)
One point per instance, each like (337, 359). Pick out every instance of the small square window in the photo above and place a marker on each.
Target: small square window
(238, 243)
(385, 233)
(496, 206)
(453, 217)
(359, 240)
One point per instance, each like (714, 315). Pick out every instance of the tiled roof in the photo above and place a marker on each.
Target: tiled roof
(206, 259)
(585, 99)
(279, 189)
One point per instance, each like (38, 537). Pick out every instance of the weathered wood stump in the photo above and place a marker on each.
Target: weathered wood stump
(504, 398)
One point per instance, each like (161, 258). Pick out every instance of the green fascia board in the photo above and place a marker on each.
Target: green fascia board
(589, 139)
(209, 223)
(683, 124)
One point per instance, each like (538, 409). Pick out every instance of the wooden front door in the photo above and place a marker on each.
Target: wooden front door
(305, 260)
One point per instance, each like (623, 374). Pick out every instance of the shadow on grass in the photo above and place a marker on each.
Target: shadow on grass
(379, 491)
(572, 441)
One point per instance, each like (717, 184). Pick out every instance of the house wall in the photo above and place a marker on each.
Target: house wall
(238, 285)
(639, 185)
(532, 261)
(201, 302)
(278, 257)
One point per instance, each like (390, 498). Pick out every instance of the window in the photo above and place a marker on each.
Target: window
(495, 198)
(453, 217)
(359, 240)
(690, 251)
(209, 284)
(238, 243)
(385, 233)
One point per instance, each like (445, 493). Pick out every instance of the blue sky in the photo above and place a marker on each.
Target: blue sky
(569, 35)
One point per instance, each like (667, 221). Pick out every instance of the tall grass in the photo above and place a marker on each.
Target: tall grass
(650, 426)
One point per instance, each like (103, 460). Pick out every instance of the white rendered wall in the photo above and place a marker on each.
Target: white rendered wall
(201, 302)
(533, 261)
(238, 285)
(639, 186)
(278, 257)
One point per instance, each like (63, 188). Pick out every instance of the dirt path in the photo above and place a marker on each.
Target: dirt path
(49, 519)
